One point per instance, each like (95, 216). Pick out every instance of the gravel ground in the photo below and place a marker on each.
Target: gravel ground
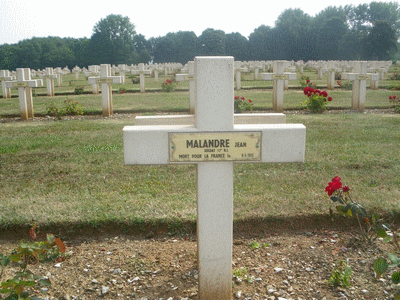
(288, 264)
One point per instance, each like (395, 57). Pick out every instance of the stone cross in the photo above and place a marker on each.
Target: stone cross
(359, 78)
(238, 76)
(5, 76)
(50, 76)
(192, 86)
(141, 76)
(214, 144)
(25, 85)
(332, 69)
(279, 77)
(76, 70)
(106, 80)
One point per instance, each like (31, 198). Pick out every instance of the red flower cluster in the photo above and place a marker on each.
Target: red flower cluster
(334, 185)
(309, 92)
(339, 83)
(242, 98)
(394, 97)
(168, 81)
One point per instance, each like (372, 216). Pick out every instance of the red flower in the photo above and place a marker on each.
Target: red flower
(308, 80)
(390, 98)
(237, 97)
(334, 185)
(324, 94)
(346, 188)
(396, 88)
(339, 83)
(242, 98)
(394, 97)
(329, 98)
(250, 101)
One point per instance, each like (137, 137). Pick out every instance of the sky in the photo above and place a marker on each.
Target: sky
(21, 20)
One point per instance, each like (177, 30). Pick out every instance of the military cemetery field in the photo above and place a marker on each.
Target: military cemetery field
(130, 230)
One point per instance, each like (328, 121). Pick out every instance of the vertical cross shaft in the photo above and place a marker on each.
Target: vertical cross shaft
(214, 112)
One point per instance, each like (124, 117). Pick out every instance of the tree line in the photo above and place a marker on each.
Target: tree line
(364, 32)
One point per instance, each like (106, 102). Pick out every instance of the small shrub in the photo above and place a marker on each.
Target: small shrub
(73, 107)
(241, 104)
(395, 76)
(168, 86)
(79, 90)
(396, 102)
(18, 287)
(316, 100)
(135, 80)
(341, 274)
(305, 82)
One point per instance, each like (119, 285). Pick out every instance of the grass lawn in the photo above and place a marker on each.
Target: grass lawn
(57, 172)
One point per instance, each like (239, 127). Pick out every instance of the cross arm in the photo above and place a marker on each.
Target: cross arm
(149, 144)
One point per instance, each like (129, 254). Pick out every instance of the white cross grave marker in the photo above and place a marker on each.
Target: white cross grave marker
(5, 75)
(141, 76)
(359, 78)
(25, 85)
(106, 80)
(50, 76)
(214, 144)
(192, 86)
(279, 77)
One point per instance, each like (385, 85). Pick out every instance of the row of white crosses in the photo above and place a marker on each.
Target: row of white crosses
(214, 143)
(24, 83)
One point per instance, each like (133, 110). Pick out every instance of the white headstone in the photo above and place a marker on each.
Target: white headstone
(214, 143)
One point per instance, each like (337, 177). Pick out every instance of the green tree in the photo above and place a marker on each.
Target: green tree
(212, 42)
(186, 46)
(294, 36)
(350, 46)
(385, 11)
(143, 57)
(380, 43)
(237, 46)
(165, 49)
(259, 45)
(112, 41)
(329, 35)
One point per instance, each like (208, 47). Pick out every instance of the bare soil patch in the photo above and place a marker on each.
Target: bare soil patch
(294, 261)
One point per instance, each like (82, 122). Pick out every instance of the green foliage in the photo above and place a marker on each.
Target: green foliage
(315, 100)
(241, 104)
(26, 253)
(371, 226)
(341, 274)
(79, 90)
(240, 272)
(70, 108)
(168, 86)
(395, 76)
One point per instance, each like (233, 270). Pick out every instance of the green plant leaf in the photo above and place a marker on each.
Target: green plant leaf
(12, 297)
(45, 282)
(381, 233)
(335, 198)
(380, 266)
(5, 260)
(50, 238)
(396, 277)
(394, 259)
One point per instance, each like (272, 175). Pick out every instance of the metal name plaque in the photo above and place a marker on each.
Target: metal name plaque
(105, 80)
(281, 77)
(20, 84)
(214, 146)
(362, 77)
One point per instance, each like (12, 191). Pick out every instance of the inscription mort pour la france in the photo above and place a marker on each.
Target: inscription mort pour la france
(193, 147)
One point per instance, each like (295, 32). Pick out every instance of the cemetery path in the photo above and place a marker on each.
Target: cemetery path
(290, 259)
